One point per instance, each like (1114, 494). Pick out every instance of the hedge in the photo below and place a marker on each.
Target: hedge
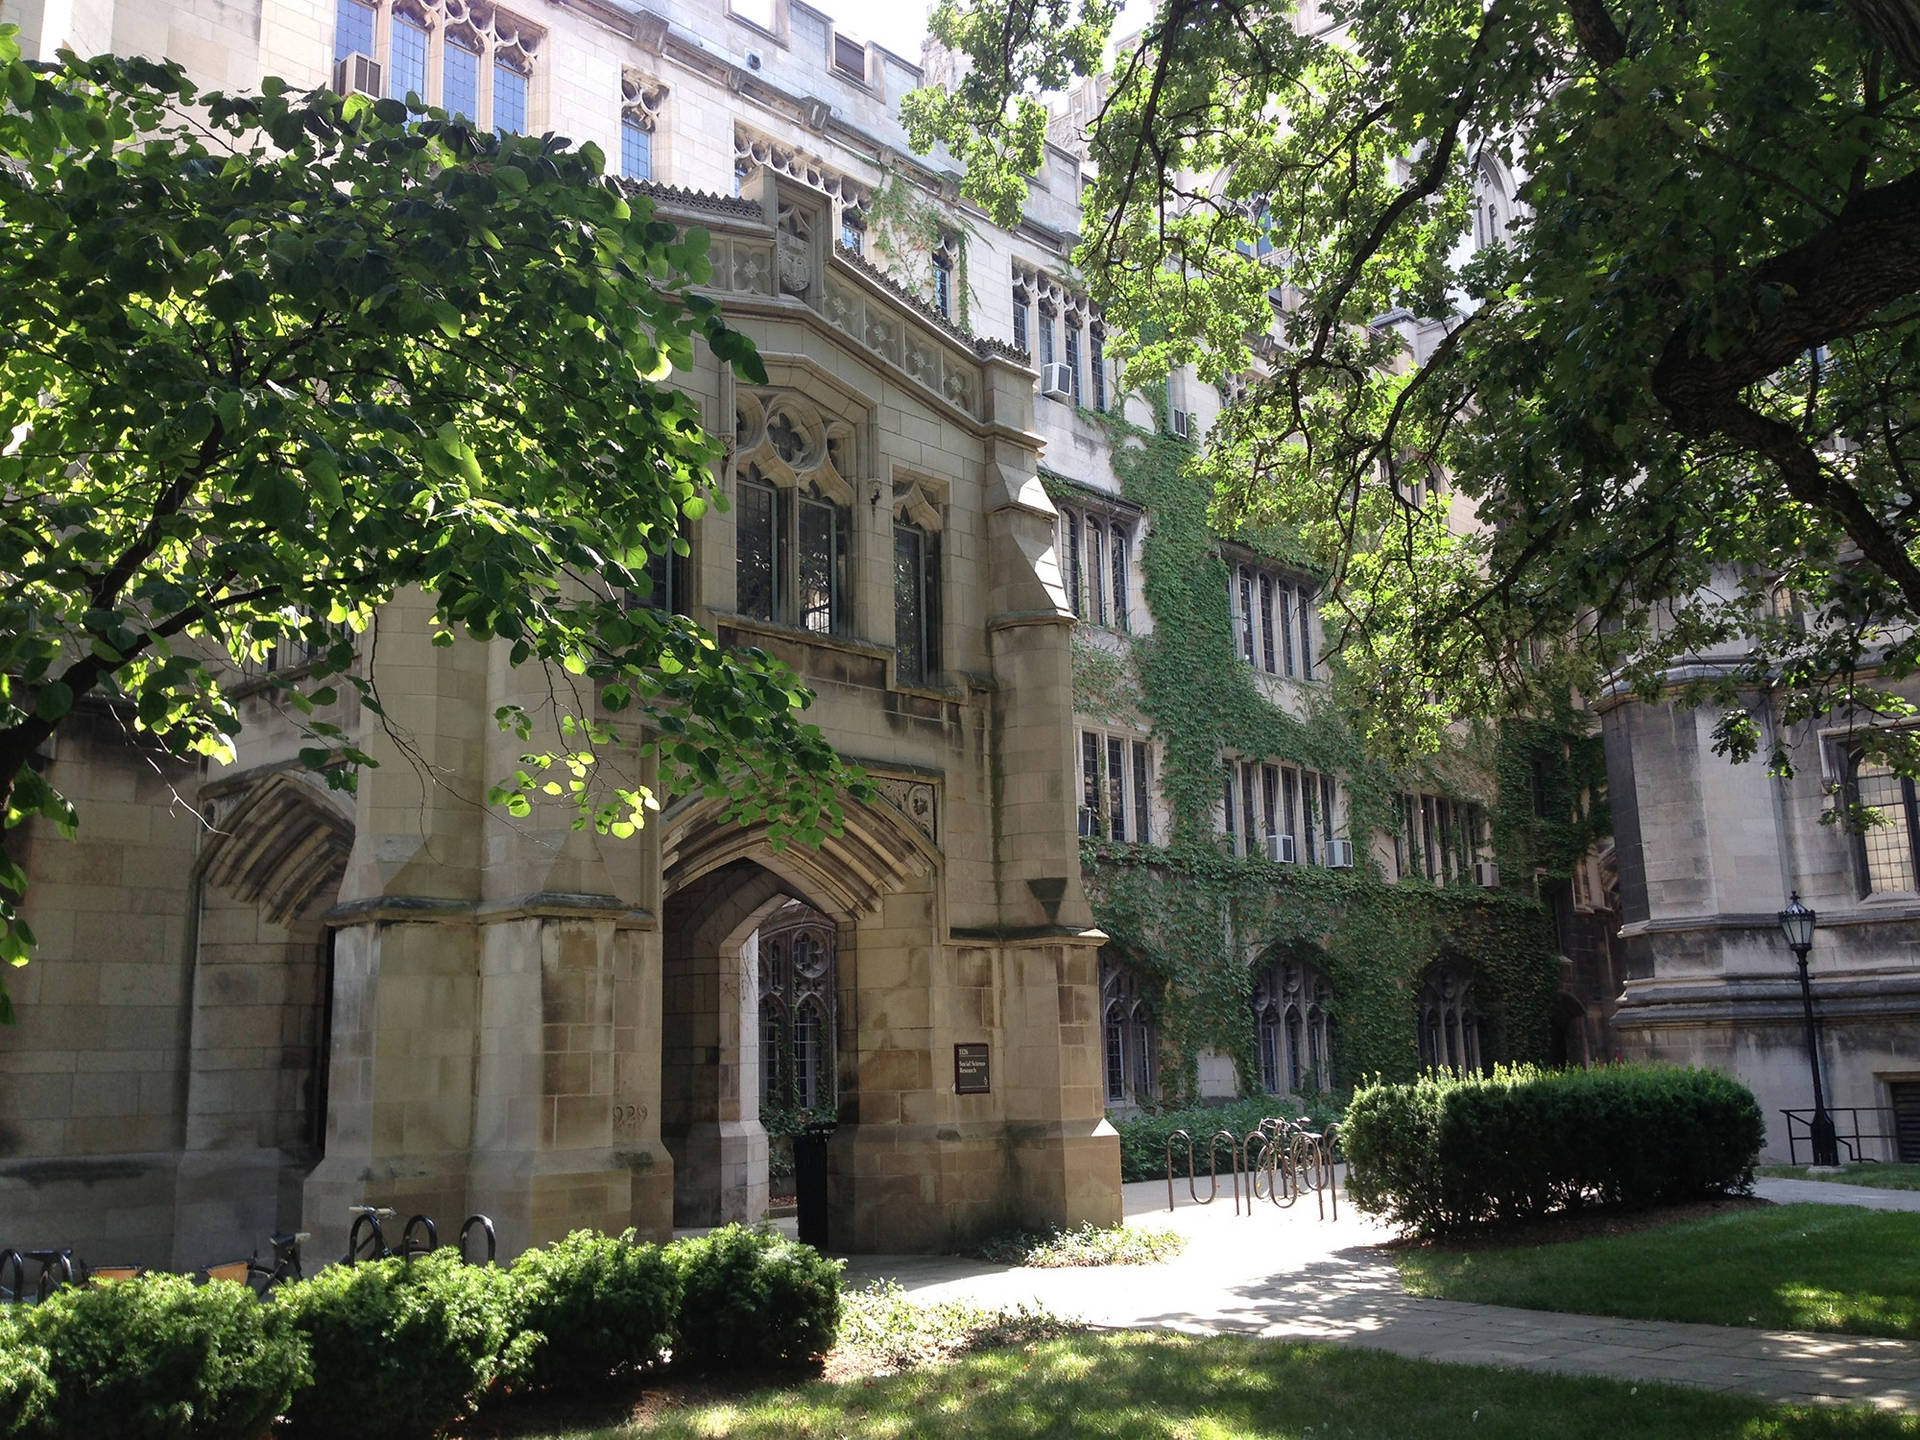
(1143, 1137)
(1446, 1153)
(399, 1349)
(393, 1351)
(157, 1358)
(752, 1297)
(600, 1306)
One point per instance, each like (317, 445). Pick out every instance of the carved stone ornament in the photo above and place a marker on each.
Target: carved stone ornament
(796, 264)
(915, 799)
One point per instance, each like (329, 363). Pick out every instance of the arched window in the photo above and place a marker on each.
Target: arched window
(776, 1080)
(1097, 568)
(796, 975)
(1129, 1037)
(1292, 1005)
(809, 1048)
(1450, 1031)
(1887, 852)
(1492, 206)
(793, 521)
(1071, 579)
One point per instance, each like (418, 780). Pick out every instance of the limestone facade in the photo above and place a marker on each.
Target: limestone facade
(1709, 853)
(259, 1001)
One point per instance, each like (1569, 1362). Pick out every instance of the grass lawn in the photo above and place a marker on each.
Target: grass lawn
(1169, 1387)
(1880, 1177)
(1791, 1267)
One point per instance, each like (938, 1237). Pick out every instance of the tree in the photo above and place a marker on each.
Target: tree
(1678, 389)
(265, 360)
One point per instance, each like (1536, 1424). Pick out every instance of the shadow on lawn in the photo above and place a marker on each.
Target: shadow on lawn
(1153, 1387)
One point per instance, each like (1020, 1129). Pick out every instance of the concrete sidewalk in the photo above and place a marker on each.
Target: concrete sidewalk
(1290, 1275)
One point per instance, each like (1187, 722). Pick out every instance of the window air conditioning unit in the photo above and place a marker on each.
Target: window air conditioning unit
(1339, 854)
(1056, 381)
(357, 74)
(1181, 423)
(1486, 874)
(1087, 830)
(1280, 849)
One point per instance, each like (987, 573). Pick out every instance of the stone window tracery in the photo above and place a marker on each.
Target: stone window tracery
(852, 200)
(1292, 1016)
(1450, 1032)
(1129, 1037)
(793, 513)
(796, 977)
(468, 57)
(1071, 332)
(641, 101)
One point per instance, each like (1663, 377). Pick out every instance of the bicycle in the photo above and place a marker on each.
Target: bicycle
(56, 1269)
(259, 1276)
(367, 1239)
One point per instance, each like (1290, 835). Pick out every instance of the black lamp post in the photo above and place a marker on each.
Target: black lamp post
(1796, 923)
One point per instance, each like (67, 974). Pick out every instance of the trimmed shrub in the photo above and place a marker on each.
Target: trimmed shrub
(400, 1351)
(1446, 1153)
(156, 1356)
(25, 1391)
(593, 1306)
(754, 1298)
(1143, 1138)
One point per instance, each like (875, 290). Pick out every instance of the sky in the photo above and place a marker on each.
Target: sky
(900, 25)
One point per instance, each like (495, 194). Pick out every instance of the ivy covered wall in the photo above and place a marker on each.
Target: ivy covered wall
(1186, 915)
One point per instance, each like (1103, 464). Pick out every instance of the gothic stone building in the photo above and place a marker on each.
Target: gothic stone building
(256, 1002)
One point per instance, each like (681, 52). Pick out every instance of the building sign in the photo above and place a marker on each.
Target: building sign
(970, 1070)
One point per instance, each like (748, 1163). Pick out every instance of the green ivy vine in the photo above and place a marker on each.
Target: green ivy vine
(907, 227)
(1186, 913)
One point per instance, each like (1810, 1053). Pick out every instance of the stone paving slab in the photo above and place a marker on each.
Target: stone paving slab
(1288, 1275)
(1822, 1192)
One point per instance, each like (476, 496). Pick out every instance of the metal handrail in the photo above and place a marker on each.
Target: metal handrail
(1851, 1137)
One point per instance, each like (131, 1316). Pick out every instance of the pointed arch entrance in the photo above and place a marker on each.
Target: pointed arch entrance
(720, 1032)
(258, 1030)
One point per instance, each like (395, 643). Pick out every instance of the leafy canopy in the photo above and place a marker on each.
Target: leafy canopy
(1675, 399)
(266, 360)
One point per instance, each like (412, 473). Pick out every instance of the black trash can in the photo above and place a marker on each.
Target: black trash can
(810, 1184)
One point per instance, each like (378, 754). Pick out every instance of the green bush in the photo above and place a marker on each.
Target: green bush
(1143, 1138)
(753, 1297)
(400, 1351)
(593, 1306)
(25, 1390)
(1446, 1153)
(156, 1356)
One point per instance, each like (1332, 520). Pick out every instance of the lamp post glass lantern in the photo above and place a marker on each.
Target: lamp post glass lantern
(1796, 924)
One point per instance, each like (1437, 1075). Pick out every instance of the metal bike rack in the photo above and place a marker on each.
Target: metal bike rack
(409, 1247)
(486, 1229)
(1282, 1160)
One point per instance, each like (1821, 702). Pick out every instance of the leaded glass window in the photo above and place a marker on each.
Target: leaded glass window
(407, 72)
(460, 78)
(915, 596)
(757, 551)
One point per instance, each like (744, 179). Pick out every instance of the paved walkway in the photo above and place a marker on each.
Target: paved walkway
(1290, 1275)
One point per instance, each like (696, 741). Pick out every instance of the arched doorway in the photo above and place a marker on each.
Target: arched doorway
(259, 1029)
(750, 1008)
(1567, 1044)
